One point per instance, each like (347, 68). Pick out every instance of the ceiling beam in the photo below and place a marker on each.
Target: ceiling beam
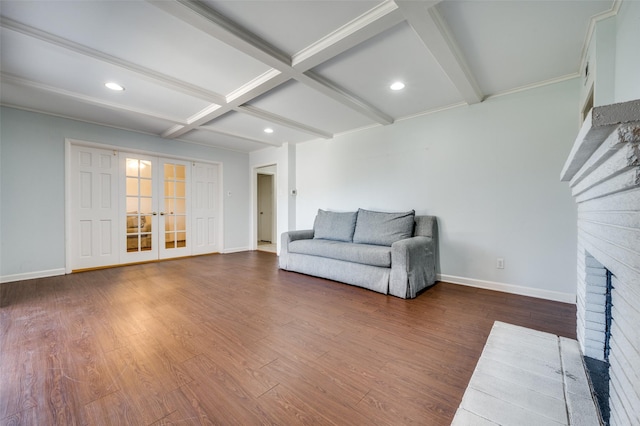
(237, 98)
(426, 21)
(339, 94)
(368, 25)
(209, 21)
(219, 27)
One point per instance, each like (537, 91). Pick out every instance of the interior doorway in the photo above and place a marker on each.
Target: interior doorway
(266, 208)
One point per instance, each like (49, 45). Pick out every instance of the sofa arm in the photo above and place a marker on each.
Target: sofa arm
(413, 266)
(288, 237)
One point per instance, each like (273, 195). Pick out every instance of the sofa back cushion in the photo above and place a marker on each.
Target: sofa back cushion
(334, 226)
(383, 229)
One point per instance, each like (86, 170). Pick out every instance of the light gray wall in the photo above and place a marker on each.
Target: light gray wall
(489, 172)
(32, 185)
(627, 57)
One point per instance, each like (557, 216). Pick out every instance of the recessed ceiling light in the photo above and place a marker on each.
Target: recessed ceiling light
(268, 130)
(398, 85)
(114, 86)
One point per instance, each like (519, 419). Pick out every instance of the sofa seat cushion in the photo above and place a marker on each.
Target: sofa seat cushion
(349, 252)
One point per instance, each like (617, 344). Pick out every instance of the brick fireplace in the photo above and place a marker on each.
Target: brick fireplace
(603, 170)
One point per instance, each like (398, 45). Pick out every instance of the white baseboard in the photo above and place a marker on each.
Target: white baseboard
(235, 250)
(510, 288)
(32, 275)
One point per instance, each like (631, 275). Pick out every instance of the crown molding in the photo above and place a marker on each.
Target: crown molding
(615, 8)
(534, 85)
(80, 120)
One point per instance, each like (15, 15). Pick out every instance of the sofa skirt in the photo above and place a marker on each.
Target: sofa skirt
(370, 277)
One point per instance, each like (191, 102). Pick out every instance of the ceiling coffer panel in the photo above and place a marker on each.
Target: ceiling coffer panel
(209, 138)
(34, 99)
(369, 69)
(298, 102)
(509, 45)
(246, 125)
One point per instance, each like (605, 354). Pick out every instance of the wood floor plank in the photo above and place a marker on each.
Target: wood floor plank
(223, 397)
(290, 409)
(231, 339)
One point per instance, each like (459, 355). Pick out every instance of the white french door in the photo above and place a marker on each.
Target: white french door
(156, 218)
(130, 207)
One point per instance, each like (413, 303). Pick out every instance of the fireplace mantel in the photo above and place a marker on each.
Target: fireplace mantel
(599, 125)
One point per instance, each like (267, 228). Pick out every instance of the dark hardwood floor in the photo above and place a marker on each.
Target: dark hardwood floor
(232, 340)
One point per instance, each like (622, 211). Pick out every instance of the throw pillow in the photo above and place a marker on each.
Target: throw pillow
(334, 226)
(383, 229)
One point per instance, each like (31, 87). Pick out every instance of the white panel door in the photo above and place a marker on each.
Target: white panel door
(94, 207)
(139, 225)
(206, 208)
(265, 208)
(175, 208)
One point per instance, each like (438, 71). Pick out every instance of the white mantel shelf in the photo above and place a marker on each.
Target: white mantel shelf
(599, 124)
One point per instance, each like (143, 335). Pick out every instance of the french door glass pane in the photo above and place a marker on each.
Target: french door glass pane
(180, 207)
(145, 187)
(175, 205)
(139, 202)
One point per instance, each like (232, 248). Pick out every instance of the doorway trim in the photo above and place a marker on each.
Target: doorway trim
(254, 203)
(68, 142)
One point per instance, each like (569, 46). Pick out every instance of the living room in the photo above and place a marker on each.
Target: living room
(489, 171)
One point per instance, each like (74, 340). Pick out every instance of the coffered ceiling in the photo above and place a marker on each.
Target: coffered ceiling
(221, 72)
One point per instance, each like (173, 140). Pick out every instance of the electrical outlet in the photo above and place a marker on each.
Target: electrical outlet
(500, 263)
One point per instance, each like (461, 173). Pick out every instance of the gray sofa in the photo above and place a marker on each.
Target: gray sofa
(391, 253)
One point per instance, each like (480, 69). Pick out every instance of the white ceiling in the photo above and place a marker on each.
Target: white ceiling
(219, 72)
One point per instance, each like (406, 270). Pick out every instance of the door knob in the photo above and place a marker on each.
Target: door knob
(161, 213)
